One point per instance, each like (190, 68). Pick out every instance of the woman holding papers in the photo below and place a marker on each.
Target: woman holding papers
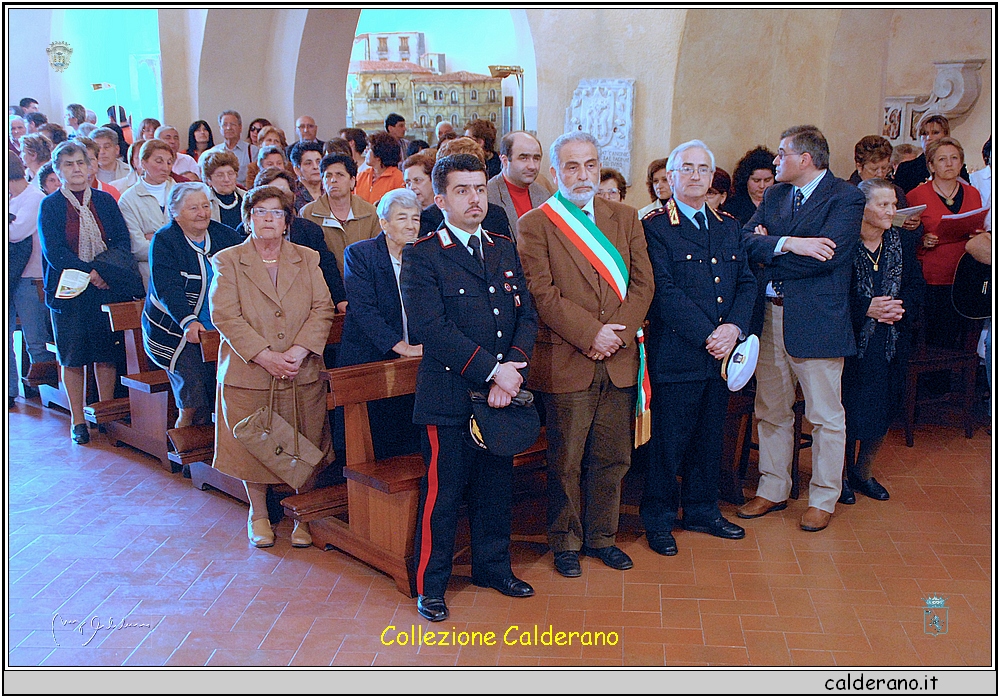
(81, 230)
(943, 243)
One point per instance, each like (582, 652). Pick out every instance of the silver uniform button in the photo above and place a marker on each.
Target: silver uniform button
(689, 257)
(714, 260)
(496, 311)
(499, 333)
(447, 368)
(492, 289)
(499, 356)
(719, 299)
(717, 279)
(461, 291)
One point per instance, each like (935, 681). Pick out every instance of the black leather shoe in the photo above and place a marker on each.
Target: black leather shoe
(568, 563)
(847, 494)
(871, 488)
(612, 556)
(80, 434)
(432, 608)
(662, 542)
(720, 528)
(511, 586)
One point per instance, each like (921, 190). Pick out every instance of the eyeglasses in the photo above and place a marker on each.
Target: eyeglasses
(688, 170)
(275, 213)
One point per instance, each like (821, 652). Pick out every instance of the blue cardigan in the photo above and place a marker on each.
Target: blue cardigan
(57, 255)
(177, 287)
(374, 321)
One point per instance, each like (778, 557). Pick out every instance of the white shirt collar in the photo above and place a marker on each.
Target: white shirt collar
(464, 237)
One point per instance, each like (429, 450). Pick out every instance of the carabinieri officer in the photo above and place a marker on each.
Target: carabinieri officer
(468, 304)
(702, 306)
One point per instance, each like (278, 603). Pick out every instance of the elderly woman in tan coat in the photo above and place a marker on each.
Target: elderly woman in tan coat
(273, 311)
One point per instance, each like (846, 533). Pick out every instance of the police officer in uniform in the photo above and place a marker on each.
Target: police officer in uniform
(468, 304)
(701, 308)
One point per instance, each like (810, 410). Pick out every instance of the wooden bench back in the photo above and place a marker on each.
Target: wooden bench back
(210, 340)
(127, 317)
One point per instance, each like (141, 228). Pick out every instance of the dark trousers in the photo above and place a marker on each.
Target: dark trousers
(454, 470)
(687, 440)
(590, 448)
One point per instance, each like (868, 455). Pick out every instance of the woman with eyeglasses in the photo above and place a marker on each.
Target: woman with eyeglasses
(273, 310)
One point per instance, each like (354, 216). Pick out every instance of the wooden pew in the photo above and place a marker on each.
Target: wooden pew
(199, 446)
(141, 420)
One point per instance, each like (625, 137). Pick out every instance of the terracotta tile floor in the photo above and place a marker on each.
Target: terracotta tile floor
(103, 533)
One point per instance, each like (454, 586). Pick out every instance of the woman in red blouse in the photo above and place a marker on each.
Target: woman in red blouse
(945, 194)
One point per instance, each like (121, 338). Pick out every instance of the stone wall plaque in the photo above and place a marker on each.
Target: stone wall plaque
(604, 109)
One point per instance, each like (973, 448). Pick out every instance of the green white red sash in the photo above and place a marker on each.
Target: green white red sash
(608, 262)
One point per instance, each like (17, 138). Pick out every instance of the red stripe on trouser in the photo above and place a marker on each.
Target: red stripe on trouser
(432, 490)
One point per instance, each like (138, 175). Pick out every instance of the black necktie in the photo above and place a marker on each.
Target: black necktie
(476, 251)
(700, 220)
(797, 201)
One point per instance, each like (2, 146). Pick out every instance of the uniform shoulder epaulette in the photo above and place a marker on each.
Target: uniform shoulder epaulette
(719, 213)
(424, 238)
(499, 235)
(669, 208)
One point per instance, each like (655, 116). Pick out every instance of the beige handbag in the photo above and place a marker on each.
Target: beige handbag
(277, 444)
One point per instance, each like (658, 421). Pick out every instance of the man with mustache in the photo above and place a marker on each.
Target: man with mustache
(589, 274)
(467, 303)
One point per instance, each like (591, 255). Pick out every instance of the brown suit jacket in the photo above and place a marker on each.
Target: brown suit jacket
(574, 302)
(252, 315)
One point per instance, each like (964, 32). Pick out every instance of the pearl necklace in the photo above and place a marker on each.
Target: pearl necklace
(228, 207)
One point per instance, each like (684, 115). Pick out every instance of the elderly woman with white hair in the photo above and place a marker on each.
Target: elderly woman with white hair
(375, 329)
(176, 310)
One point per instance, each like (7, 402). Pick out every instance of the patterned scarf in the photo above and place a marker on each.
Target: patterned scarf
(892, 261)
(91, 242)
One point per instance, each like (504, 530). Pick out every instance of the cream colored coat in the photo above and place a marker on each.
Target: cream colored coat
(143, 217)
(252, 315)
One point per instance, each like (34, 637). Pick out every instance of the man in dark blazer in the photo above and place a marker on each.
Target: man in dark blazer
(701, 308)
(467, 303)
(586, 362)
(804, 233)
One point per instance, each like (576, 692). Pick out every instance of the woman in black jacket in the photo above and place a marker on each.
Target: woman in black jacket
(176, 311)
(887, 287)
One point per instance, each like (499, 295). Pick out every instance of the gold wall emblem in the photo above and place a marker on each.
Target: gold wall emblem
(59, 55)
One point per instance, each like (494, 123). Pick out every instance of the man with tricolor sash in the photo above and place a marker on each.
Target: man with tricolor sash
(586, 265)
(703, 305)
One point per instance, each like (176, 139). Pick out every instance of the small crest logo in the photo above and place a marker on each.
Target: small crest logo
(935, 615)
(59, 54)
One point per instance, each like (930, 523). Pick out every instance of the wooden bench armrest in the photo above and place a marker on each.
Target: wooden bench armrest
(147, 381)
(124, 316)
(352, 385)
(391, 475)
(191, 438)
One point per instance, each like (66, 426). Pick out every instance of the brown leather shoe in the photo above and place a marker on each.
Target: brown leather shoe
(758, 506)
(815, 519)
